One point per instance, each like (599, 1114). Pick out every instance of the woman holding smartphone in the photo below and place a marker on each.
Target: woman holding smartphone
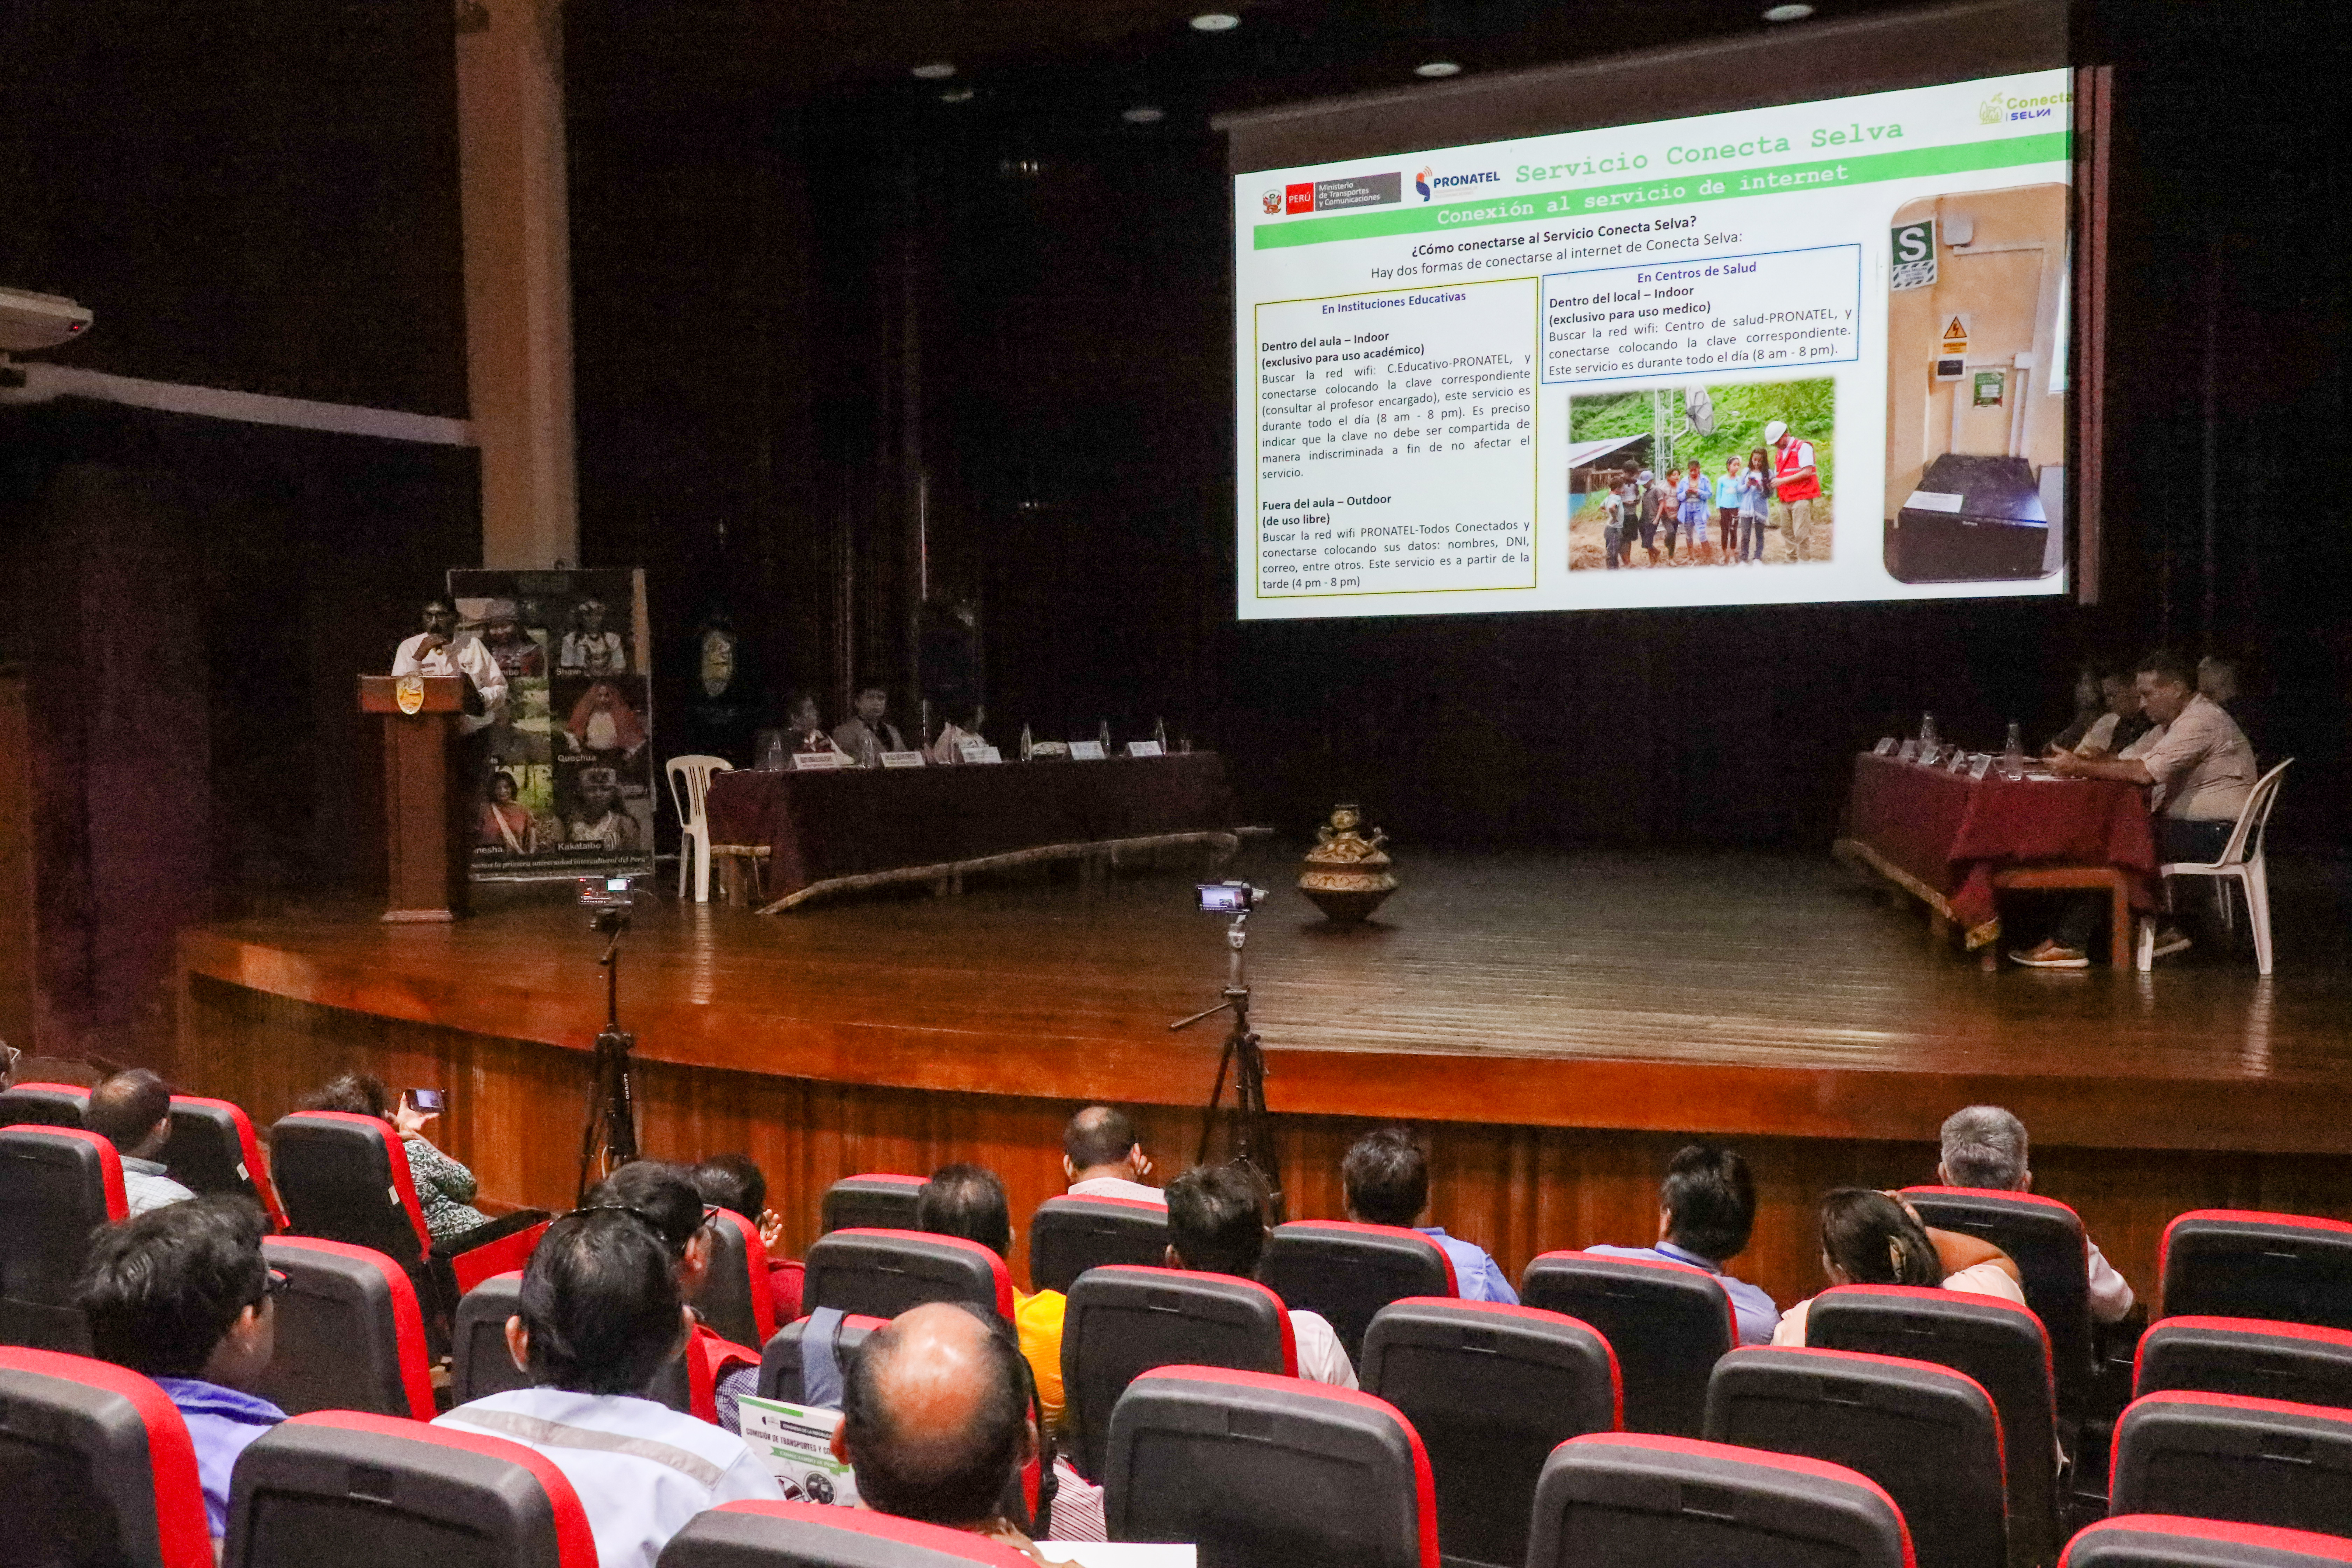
(445, 1188)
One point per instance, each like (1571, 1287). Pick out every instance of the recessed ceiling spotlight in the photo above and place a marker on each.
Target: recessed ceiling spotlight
(1795, 13)
(1143, 114)
(956, 95)
(1215, 22)
(937, 70)
(1436, 69)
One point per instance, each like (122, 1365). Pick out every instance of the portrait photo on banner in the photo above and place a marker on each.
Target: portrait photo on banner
(568, 782)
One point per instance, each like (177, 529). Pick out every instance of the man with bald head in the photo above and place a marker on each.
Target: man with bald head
(935, 1421)
(1102, 1157)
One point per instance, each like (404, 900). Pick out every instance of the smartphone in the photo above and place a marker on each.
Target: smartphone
(425, 1099)
(1222, 897)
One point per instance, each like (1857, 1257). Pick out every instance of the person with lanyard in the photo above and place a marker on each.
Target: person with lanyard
(1796, 485)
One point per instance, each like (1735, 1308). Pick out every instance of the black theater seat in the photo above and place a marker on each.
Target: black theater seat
(57, 1185)
(881, 1273)
(2295, 1361)
(2241, 1263)
(807, 1535)
(1346, 1271)
(877, 1200)
(1068, 1236)
(2045, 1239)
(782, 1358)
(214, 1149)
(2221, 1456)
(350, 1334)
(44, 1105)
(2158, 1541)
(1668, 1322)
(96, 1468)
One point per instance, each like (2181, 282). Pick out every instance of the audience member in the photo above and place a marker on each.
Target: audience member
(1386, 1175)
(663, 1195)
(1985, 1146)
(181, 1294)
(2217, 680)
(1871, 1238)
(445, 1188)
(132, 1111)
(601, 1317)
(935, 1421)
(735, 1182)
(1707, 1211)
(1102, 1158)
(969, 1202)
(1216, 1225)
(866, 734)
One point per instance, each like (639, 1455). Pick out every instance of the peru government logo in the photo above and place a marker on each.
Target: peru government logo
(1272, 202)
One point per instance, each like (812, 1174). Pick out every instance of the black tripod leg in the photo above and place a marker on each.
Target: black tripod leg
(1217, 1093)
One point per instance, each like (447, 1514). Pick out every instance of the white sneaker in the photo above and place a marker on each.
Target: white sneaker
(2049, 958)
(2169, 941)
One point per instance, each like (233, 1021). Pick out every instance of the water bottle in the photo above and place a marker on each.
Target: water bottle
(1102, 735)
(1927, 730)
(1026, 742)
(2013, 756)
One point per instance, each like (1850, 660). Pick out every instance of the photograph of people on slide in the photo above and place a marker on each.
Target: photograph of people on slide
(1726, 476)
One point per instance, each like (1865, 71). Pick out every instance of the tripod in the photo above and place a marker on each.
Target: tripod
(1252, 1140)
(610, 1138)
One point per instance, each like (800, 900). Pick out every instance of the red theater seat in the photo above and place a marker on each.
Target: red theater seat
(784, 1358)
(1346, 1271)
(44, 1105)
(878, 1200)
(97, 1467)
(214, 1149)
(2161, 1540)
(1668, 1322)
(349, 1334)
(2221, 1456)
(805, 1535)
(1068, 1236)
(57, 1185)
(2242, 1263)
(479, 1363)
(2296, 1362)
(736, 1300)
(881, 1273)
(2045, 1239)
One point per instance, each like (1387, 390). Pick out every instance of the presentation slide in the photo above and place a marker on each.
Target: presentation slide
(1788, 355)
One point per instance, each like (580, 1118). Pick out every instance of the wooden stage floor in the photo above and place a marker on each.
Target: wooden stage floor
(1727, 993)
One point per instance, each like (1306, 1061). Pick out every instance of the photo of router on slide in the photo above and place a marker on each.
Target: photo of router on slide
(1723, 476)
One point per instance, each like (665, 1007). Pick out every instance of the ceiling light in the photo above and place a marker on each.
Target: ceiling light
(1788, 13)
(1436, 69)
(1143, 114)
(937, 70)
(1215, 22)
(956, 95)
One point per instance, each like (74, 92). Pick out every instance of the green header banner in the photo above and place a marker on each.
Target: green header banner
(1675, 190)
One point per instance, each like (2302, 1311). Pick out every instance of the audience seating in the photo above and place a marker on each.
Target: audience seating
(96, 1466)
(781, 1362)
(1668, 1322)
(44, 1105)
(2160, 1541)
(350, 1335)
(1260, 1469)
(2046, 1238)
(1491, 1390)
(2001, 1346)
(735, 1300)
(1347, 1271)
(57, 1185)
(2236, 1263)
(339, 1489)
(214, 1149)
(877, 1200)
(1619, 1498)
(1124, 1320)
(2246, 1355)
(881, 1273)
(2221, 1456)
(479, 1362)
(1928, 1437)
(1068, 1236)
(811, 1535)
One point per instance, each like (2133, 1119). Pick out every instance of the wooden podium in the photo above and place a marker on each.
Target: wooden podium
(425, 798)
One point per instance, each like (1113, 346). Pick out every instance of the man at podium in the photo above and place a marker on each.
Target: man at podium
(439, 649)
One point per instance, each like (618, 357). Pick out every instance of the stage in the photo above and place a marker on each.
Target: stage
(1573, 1016)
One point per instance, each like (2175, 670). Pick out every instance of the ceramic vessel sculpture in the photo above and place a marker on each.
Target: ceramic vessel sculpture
(1347, 874)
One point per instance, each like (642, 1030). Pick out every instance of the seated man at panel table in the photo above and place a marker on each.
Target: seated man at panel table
(1985, 1147)
(866, 734)
(601, 1317)
(2121, 722)
(969, 1202)
(1102, 1157)
(132, 1111)
(1216, 1225)
(1386, 1174)
(2202, 772)
(1707, 1211)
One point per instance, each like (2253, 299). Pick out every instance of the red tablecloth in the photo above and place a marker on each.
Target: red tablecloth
(821, 825)
(1945, 835)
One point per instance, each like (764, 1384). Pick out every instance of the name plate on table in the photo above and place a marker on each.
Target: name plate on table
(1909, 752)
(1885, 747)
(902, 759)
(1977, 769)
(819, 761)
(1929, 756)
(795, 1442)
(1146, 749)
(1086, 751)
(973, 752)
(1960, 760)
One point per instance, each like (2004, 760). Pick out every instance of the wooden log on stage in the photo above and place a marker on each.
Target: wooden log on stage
(946, 871)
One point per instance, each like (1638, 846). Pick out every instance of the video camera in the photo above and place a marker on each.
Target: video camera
(608, 901)
(1229, 897)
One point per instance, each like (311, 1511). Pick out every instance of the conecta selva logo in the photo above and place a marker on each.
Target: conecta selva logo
(1993, 111)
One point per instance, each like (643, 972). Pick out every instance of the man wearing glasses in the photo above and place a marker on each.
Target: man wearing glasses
(181, 1294)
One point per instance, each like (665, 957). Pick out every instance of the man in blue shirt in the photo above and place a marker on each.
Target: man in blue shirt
(1387, 1179)
(181, 1294)
(1707, 1209)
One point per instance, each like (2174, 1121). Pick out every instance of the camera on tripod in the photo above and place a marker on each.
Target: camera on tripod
(608, 901)
(1228, 898)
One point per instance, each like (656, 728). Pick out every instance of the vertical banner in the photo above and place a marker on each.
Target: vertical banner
(568, 786)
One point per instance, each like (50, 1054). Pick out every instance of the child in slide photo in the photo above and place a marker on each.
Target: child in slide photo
(1613, 532)
(1729, 488)
(1691, 498)
(1755, 504)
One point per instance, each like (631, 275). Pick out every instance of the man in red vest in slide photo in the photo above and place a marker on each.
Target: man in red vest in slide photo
(1796, 485)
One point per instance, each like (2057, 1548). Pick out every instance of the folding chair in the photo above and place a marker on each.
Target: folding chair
(1999, 1345)
(1256, 1468)
(694, 818)
(1614, 1499)
(1668, 1322)
(2294, 1362)
(2240, 861)
(736, 1300)
(881, 1273)
(877, 1200)
(783, 1361)
(1926, 1435)
(810, 1535)
(44, 1105)
(2158, 1541)
(2242, 1263)
(1068, 1236)
(97, 1467)
(1124, 1320)
(2046, 1238)
(1493, 1390)
(1347, 1271)
(57, 1185)
(214, 1149)
(349, 1334)
(343, 1489)
(2221, 1456)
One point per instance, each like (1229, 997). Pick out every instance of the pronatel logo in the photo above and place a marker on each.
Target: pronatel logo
(1429, 182)
(1421, 182)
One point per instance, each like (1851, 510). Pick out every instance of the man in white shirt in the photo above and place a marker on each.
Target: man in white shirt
(1985, 1147)
(1102, 1158)
(601, 1317)
(1216, 1225)
(440, 650)
(132, 1111)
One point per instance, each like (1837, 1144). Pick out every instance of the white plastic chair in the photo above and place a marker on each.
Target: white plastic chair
(2240, 861)
(694, 822)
